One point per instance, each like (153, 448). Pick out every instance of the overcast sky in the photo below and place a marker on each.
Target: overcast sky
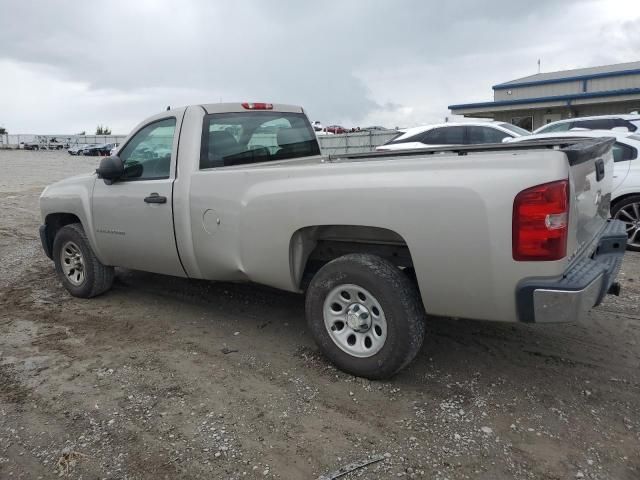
(66, 66)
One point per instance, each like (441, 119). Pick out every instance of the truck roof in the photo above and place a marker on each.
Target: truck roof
(238, 107)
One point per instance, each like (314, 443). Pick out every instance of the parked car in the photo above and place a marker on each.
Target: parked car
(376, 128)
(91, 150)
(361, 233)
(630, 123)
(103, 150)
(336, 129)
(467, 133)
(317, 126)
(77, 149)
(625, 195)
(32, 146)
(114, 149)
(85, 148)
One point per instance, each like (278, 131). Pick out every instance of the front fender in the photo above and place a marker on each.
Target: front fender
(71, 196)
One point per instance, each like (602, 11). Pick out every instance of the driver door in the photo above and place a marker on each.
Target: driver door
(133, 216)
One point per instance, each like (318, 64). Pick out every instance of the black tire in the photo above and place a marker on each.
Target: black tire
(616, 212)
(396, 295)
(98, 278)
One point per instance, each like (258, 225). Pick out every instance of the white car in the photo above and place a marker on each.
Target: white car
(114, 150)
(77, 149)
(625, 196)
(440, 135)
(622, 122)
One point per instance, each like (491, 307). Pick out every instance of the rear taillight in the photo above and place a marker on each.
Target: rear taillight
(257, 106)
(540, 222)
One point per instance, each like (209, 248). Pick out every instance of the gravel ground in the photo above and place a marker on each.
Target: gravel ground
(166, 378)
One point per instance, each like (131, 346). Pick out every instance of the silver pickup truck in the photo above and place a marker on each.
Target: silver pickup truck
(241, 192)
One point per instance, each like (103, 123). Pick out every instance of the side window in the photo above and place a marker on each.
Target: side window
(485, 135)
(444, 136)
(623, 153)
(602, 124)
(147, 156)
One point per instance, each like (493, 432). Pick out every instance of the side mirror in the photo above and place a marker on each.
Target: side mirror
(110, 169)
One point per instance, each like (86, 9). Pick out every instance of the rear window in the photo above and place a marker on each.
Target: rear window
(619, 122)
(242, 138)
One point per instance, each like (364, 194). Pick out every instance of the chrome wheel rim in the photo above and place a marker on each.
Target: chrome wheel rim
(355, 320)
(630, 215)
(73, 264)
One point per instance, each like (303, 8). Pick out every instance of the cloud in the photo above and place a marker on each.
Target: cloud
(69, 66)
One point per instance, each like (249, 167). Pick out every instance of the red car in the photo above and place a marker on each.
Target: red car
(335, 129)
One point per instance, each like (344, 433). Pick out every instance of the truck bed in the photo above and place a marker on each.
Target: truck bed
(576, 149)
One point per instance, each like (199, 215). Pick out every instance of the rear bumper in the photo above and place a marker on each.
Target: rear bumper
(583, 285)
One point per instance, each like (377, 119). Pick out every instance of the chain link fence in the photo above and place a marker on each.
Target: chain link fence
(356, 142)
(53, 142)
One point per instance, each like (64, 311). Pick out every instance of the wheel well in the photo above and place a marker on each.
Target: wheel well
(622, 198)
(55, 222)
(313, 247)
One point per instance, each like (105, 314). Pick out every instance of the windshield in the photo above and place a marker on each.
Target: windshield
(396, 139)
(554, 127)
(515, 129)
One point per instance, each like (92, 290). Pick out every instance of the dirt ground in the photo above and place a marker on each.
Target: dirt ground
(165, 378)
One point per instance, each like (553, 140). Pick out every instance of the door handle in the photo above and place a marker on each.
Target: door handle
(155, 198)
(599, 170)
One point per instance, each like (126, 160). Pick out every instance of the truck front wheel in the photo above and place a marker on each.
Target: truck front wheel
(77, 267)
(365, 315)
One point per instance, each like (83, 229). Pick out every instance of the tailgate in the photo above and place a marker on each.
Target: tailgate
(591, 177)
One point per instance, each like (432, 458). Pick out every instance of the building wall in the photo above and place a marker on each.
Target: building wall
(565, 88)
(538, 91)
(562, 108)
(574, 111)
(613, 83)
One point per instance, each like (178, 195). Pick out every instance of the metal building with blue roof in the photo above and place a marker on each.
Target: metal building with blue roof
(536, 100)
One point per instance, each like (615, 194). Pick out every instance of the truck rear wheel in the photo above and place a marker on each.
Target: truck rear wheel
(365, 315)
(78, 268)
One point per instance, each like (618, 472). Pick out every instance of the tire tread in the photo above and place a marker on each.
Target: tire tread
(386, 275)
(103, 275)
